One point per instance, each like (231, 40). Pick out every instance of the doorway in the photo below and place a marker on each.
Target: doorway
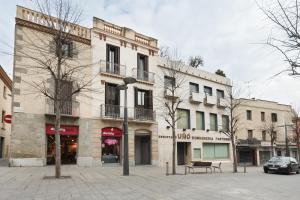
(68, 149)
(1, 146)
(183, 152)
(142, 149)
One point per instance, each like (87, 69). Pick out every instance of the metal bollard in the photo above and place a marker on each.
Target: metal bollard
(167, 168)
(245, 168)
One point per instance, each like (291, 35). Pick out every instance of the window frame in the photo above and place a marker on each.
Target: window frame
(274, 117)
(263, 116)
(203, 120)
(210, 93)
(188, 120)
(191, 84)
(249, 114)
(216, 120)
(220, 92)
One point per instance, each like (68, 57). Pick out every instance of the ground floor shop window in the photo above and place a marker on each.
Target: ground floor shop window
(213, 151)
(68, 149)
(111, 144)
(110, 150)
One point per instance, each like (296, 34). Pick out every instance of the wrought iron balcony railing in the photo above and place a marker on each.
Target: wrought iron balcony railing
(112, 68)
(117, 112)
(67, 108)
(143, 75)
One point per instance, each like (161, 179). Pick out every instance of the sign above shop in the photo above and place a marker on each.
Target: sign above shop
(111, 132)
(64, 129)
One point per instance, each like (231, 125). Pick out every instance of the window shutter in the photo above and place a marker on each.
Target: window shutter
(135, 96)
(73, 50)
(52, 46)
(150, 100)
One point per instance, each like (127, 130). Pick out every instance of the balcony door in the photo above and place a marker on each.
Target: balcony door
(112, 100)
(143, 103)
(142, 67)
(112, 59)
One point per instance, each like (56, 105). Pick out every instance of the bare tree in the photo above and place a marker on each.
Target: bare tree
(285, 15)
(232, 104)
(220, 73)
(172, 82)
(196, 61)
(270, 128)
(55, 69)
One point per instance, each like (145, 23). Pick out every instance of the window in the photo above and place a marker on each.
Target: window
(262, 116)
(143, 98)
(250, 134)
(274, 117)
(142, 67)
(208, 90)
(212, 151)
(249, 114)
(274, 135)
(169, 82)
(200, 121)
(220, 94)
(263, 135)
(194, 87)
(4, 92)
(184, 119)
(225, 122)
(67, 49)
(197, 153)
(2, 117)
(213, 122)
(112, 94)
(112, 59)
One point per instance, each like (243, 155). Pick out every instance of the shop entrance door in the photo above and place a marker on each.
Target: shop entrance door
(1, 146)
(142, 152)
(183, 152)
(68, 149)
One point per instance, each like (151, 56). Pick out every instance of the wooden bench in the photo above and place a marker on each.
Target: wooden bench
(198, 164)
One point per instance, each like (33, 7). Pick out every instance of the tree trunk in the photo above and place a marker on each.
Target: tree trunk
(234, 155)
(57, 141)
(174, 150)
(272, 149)
(298, 146)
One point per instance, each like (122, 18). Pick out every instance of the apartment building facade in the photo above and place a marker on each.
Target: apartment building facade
(91, 122)
(202, 117)
(5, 107)
(257, 119)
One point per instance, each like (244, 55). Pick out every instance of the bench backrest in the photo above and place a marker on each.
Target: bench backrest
(198, 163)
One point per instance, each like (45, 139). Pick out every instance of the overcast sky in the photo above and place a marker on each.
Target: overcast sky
(227, 34)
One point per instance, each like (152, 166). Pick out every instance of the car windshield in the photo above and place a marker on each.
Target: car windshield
(280, 159)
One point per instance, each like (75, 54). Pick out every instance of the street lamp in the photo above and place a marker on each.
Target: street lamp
(287, 153)
(127, 81)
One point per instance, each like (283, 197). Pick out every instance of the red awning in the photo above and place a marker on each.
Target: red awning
(111, 132)
(65, 129)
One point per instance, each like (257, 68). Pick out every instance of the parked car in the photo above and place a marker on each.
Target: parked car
(281, 164)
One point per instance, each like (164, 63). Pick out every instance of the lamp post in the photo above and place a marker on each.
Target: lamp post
(287, 153)
(127, 81)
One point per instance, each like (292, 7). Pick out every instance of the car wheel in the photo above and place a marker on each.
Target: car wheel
(297, 172)
(266, 171)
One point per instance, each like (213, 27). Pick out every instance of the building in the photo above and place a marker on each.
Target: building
(202, 113)
(92, 121)
(254, 140)
(5, 106)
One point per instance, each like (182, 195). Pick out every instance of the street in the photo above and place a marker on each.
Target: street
(145, 182)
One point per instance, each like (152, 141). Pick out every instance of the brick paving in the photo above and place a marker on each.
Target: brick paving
(144, 183)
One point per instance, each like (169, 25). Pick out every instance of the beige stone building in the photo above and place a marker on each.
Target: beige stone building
(5, 107)
(254, 140)
(92, 121)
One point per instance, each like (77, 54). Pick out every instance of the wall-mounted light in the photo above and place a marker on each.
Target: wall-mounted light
(193, 129)
(207, 130)
(168, 127)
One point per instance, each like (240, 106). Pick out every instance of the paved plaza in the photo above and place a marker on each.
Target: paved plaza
(145, 182)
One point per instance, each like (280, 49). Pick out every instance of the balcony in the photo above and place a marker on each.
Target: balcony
(169, 94)
(114, 69)
(68, 108)
(249, 142)
(143, 75)
(222, 103)
(196, 97)
(210, 100)
(116, 112)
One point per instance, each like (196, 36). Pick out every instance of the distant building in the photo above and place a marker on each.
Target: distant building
(254, 144)
(5, 108)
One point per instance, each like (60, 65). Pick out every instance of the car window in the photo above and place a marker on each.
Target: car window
(293, 160)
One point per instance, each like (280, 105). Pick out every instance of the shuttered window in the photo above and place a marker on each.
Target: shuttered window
(213, 151)
(184, 119)
(200, 121)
